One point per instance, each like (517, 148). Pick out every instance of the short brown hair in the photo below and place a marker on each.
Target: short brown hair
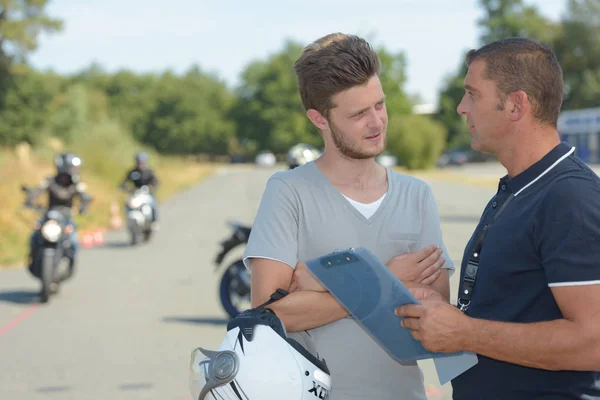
(332, 64)
(524, 64)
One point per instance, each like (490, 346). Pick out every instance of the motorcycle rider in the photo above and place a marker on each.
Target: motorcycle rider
(143, 175)
(62, 189)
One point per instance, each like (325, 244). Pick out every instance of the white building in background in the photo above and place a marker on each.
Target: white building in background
(581, 128)
(424, 109)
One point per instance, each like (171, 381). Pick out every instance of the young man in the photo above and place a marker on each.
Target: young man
(345, 199)
(530, 277)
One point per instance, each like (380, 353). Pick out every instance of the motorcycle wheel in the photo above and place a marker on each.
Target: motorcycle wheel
(47, 272)
(135, 236)
(228, 284)
(65, 270)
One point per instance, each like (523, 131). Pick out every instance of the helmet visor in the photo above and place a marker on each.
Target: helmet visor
(210, 370)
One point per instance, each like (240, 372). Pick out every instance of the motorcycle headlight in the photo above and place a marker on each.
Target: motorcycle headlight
(135, 202)
(51, 231)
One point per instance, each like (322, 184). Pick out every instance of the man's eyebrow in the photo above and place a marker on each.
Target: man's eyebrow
(469, 87)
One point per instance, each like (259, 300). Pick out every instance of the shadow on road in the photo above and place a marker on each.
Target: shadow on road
(53, 389)
(136, 386)
(114, 244)
(197, 321)
(123, 387)
(20, 296)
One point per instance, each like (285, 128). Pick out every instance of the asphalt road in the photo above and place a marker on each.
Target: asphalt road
(124, 327)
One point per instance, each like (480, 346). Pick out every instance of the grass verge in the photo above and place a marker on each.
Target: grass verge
(460, 178)
(102, 172)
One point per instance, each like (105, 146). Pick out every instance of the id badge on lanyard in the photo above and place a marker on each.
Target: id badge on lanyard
(466, 286)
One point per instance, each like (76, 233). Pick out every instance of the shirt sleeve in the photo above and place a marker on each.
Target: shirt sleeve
(567, 233)
(432, 230)
(274, 233)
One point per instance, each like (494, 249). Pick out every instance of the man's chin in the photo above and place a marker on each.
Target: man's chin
(475, 145)
(364, 154)
(478, 147)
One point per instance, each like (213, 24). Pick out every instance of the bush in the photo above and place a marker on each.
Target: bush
(416, 140)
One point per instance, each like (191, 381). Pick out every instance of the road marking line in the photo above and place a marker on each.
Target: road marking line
(18, 319)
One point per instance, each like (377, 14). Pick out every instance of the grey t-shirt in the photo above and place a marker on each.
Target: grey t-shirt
(302, 216)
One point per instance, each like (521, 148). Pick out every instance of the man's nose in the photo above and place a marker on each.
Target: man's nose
(461, 109)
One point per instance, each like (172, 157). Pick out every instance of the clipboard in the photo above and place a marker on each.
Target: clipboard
(370, 292)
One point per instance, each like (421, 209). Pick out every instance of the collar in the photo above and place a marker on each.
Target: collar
(528, 177)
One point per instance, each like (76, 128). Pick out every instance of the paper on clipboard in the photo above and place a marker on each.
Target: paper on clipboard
(371, 293)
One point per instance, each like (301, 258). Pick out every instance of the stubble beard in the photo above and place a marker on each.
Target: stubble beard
(353, 150)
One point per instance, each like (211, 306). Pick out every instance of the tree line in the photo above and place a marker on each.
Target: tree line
(575, 39)
(196, 112)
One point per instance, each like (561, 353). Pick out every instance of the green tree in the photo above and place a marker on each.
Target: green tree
(69, 112)
(130, 96)
(417, 140)
(512, 18)
(21, 21)
(578, 50)
(453, 90)
(189, 115)
(501, 19)
(269, 113)
(393, 79)
(27, 106)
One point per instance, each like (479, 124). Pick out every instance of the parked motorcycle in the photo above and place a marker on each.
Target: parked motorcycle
(51, 259)
(234, 288)
(139, 215)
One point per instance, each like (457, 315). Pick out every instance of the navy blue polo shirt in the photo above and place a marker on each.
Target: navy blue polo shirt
(548, 235)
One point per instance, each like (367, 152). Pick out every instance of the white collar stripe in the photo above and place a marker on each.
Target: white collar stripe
(546, 171)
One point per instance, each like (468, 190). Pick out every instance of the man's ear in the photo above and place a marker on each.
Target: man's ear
(517, 105)
(317, 119)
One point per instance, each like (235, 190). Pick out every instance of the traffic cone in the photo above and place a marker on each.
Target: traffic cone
(98, 238)
(88, 239)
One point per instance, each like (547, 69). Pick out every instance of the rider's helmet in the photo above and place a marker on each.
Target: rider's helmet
(68, 164)
(257, 360)
(141, 159)
(300, 154)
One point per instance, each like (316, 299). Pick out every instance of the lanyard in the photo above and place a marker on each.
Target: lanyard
(468, 281)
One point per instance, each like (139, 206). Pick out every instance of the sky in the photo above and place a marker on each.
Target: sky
(224, 36)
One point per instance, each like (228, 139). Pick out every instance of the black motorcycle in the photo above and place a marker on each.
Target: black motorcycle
(234, 288)
(51, 259)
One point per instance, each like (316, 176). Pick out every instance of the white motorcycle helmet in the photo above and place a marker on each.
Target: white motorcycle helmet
(301, 154)
(257, 361)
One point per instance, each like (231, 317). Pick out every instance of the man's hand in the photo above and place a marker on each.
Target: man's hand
(439, 326)
(303, 279)
(424, 292)
(422, 266)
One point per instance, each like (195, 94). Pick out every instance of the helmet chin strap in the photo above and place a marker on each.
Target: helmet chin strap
(277, 295)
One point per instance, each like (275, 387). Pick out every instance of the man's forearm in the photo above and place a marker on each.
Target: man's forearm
(303, 310)
(552, 345)
(442, 284)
